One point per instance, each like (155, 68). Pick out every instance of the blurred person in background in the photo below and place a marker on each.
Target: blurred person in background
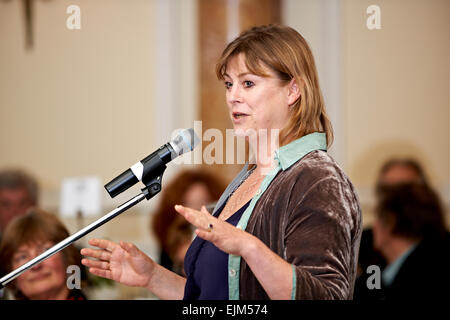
(18, 192)
(26, 237)
(394, 171)
(409, 231)
(400, 170)
(174, 234)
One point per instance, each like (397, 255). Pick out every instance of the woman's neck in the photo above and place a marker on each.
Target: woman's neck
(60, 293)
(264, 151)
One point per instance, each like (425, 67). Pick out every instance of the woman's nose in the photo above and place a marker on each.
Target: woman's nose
(36, 267)
(234, 95)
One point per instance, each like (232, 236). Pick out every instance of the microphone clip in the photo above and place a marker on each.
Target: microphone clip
(153, 185)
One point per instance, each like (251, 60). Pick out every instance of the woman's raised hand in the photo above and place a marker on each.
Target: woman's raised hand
(122, 262)
(222, 234)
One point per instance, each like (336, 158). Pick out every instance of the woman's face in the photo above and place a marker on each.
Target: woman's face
(44, 279)
(255, 102)
(196, 196)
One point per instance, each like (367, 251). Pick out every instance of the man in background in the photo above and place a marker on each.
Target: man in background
(409, 231)
(394, 172)
(18, 192)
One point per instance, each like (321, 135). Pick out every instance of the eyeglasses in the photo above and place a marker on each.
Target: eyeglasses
(24, 255)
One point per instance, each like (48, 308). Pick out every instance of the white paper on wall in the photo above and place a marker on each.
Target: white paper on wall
(80, 194)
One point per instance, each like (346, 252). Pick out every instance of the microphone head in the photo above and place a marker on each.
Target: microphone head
(185, 141)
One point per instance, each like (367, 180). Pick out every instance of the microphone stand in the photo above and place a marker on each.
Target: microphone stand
(152, 188)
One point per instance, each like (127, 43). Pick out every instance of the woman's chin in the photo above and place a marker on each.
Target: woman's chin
(239, 131)
(37, 291)
(243, 131)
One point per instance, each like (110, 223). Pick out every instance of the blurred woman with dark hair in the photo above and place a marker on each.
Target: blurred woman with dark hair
(25, 238)
(193, 188)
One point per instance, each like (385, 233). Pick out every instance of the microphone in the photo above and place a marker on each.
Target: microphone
(153, 165)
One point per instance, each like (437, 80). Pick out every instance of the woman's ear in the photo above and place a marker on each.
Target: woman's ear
(294, 92)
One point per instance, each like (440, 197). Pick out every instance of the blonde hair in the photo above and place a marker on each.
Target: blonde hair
(284, 51)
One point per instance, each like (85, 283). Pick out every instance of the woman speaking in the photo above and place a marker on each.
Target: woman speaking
(287, 227)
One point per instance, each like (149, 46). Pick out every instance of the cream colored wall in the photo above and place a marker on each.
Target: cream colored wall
(96, 100)
(395, 100)
(80, 102)
(396, 93)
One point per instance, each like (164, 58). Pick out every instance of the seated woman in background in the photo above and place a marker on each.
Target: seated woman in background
(193, 188)
(25, 238)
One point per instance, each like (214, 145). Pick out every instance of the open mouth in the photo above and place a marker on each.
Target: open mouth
(239, 115)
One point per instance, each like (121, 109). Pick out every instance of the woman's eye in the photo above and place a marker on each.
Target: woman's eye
(44, 248)
(248, 84)
(228, 84)
(20, 259)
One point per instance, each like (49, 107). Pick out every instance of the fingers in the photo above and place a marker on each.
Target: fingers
(204, 234)
(102, 243)
(104, 254)
(98, 267)
(95, 253)
(95, 264)
(203, 209)
(186, 213)
(180, 209)
(101, 273)
(200, 219)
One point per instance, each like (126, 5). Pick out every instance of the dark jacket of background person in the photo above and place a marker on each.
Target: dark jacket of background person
(417, 279)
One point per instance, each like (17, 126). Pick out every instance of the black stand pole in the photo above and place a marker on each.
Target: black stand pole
(152, 188)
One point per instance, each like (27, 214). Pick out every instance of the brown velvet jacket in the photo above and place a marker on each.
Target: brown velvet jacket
(306, 211)
(310, 216)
